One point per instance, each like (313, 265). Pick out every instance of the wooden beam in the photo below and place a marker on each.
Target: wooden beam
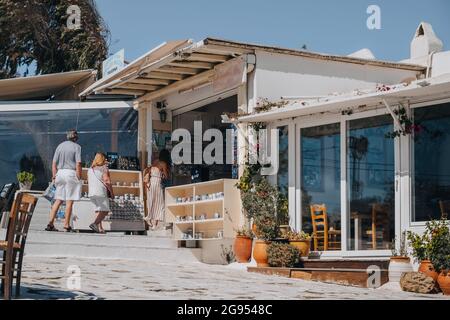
(145, 87)
(156, 82)
(192, 64)
(125, 92)
(178, 70)
(215, 49)
(163, 75)
(207, 57)
(179, 85)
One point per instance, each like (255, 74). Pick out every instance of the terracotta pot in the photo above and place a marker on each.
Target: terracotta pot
(444, 282)
(398, 266)
(243, 249)
(303, 245)
(260, 253)
(427, 268)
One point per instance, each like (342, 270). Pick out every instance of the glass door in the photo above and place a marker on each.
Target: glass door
(320, 178)
(370, 183)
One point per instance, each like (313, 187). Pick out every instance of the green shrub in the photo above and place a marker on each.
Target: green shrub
(420, 245)
(24, 177)
(282, 255)
(260, 204)
(439, 244)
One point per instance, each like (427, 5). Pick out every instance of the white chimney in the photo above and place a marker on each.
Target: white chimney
(425, 41)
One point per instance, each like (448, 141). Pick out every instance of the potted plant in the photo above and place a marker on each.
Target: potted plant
(420, 245)
(440, 252)
(399, 262)
(300, 240)
(243, 245)
(283, 216)
(261, 204)
(282, 255)
(25, 179)
(267, 231)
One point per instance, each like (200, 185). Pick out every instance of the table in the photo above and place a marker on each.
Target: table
(358, 217)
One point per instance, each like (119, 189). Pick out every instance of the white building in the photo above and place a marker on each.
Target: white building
(337, 113)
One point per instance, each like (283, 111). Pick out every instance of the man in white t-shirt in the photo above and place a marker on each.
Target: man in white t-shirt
(66, 169)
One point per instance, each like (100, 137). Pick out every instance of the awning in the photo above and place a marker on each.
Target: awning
(416, 92)
(181, 65)
(41, 86)
(171, 66)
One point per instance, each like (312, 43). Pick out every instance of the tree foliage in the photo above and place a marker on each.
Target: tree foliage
(35, 32)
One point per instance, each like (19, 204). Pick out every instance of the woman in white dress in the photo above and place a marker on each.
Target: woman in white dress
(99, 182)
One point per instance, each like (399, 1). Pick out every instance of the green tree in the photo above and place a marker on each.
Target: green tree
(35, 32)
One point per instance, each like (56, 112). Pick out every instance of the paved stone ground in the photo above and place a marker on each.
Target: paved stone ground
(46, 278)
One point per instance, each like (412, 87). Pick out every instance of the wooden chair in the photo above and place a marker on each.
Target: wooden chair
(380, 226)
(444, 205)
(324, 238)
(14, 246)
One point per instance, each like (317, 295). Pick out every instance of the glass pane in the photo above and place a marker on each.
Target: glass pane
(283, 171)
(321, 176)
(431, 162)
(28, 139)
(210, 117)
(370, 175)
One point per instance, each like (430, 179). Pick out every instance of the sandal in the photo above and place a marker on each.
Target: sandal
(94, 228)
(51, 228)
(69, 229)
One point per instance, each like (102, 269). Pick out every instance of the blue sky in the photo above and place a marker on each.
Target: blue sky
(329, 26)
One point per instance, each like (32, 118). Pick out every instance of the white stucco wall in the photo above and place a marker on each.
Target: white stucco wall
(441, 63)
(280, 75)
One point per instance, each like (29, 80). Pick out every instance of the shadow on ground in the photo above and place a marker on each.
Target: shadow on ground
(43, 292)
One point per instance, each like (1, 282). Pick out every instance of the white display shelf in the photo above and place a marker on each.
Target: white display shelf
(220, 220)
(228, 206)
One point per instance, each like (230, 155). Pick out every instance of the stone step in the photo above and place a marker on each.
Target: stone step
(41, 216)
(110, 246)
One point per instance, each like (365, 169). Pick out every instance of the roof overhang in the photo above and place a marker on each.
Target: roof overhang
(41, 86)
(170, 66)
(183, 64)
(417, 92)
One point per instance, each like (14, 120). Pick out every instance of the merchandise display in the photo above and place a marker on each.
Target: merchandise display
(198, 210)
(127, 207)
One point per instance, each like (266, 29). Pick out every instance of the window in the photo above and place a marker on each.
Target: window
(370, 174)
(283, 158)
(320, 174)
(29, 139)
(431, 162)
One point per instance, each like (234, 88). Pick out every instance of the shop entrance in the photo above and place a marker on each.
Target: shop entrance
(210, 116)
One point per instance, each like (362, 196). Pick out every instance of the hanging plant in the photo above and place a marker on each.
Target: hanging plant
(407, 125)
(264, 105)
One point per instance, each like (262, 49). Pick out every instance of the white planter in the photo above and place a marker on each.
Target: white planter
(26, 186)
(398, 266)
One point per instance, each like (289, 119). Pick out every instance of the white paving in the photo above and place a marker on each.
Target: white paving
(46, 278)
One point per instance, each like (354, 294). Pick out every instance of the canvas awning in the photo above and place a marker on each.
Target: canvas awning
(416, 92)
(168, 67)
(179, 65)
(42, 86)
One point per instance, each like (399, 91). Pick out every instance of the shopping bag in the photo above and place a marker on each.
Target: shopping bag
(49, 193)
